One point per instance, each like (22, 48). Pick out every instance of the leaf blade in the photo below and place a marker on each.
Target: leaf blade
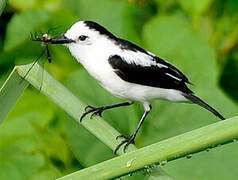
(10, 92)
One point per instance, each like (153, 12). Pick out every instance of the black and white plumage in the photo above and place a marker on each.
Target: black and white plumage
(126, 70)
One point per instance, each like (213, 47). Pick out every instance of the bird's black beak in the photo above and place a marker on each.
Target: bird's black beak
(61, 40)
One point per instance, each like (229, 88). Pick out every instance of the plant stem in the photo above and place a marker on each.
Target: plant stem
(10, 92)
(170, 149)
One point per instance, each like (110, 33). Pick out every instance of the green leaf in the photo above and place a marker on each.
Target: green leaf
(2, 5)
(172, 38)
(10, 94)
(196, 7)
(86, 147)
(17, 4)
(20, 26)
(20, 166)
(40, 116)
(49, 5)
(45, 174)
(229, 75)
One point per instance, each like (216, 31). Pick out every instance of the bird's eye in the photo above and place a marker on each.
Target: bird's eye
(82, 37)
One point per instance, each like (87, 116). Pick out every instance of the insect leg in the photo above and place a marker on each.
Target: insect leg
(48, 54)
(24, 77)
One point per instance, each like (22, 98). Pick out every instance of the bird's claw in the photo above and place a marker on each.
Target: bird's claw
(90, 109)
(127, 141)
(97, 112)
(121, 136)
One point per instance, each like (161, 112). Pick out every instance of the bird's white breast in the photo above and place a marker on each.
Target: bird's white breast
(95, 61)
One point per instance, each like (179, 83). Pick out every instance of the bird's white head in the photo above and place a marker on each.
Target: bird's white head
(87, 33)
(84, 33)
(86, 37)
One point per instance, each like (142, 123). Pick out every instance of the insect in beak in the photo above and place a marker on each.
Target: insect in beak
(46, 40)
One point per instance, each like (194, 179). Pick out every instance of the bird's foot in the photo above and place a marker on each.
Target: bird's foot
(94, 110)
(127, 141)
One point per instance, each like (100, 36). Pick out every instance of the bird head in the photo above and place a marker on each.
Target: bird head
(83, 33)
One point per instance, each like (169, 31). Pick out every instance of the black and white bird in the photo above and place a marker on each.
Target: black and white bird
(126, 70)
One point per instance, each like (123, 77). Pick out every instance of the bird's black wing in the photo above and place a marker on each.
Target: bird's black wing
(157, 73)
(127, 45)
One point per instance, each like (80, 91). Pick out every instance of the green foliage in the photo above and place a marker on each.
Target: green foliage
(2, 5)
(18, 32)
(195, 8)
(39, 141)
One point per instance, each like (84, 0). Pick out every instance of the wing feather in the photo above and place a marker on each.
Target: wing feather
(148, 70)
(137, 55)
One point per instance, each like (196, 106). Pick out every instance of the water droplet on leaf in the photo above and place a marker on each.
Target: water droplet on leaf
(162, 163)
(208, 149)
(189, 156)
(129, 163)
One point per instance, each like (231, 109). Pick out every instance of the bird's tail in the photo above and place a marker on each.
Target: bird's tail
(200, 102)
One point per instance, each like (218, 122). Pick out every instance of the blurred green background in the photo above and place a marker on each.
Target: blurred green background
(40, 141)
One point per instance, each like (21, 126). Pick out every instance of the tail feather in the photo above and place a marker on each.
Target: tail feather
(200, 102)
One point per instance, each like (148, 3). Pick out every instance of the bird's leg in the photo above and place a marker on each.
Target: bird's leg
(99, 110)
(127, 141)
